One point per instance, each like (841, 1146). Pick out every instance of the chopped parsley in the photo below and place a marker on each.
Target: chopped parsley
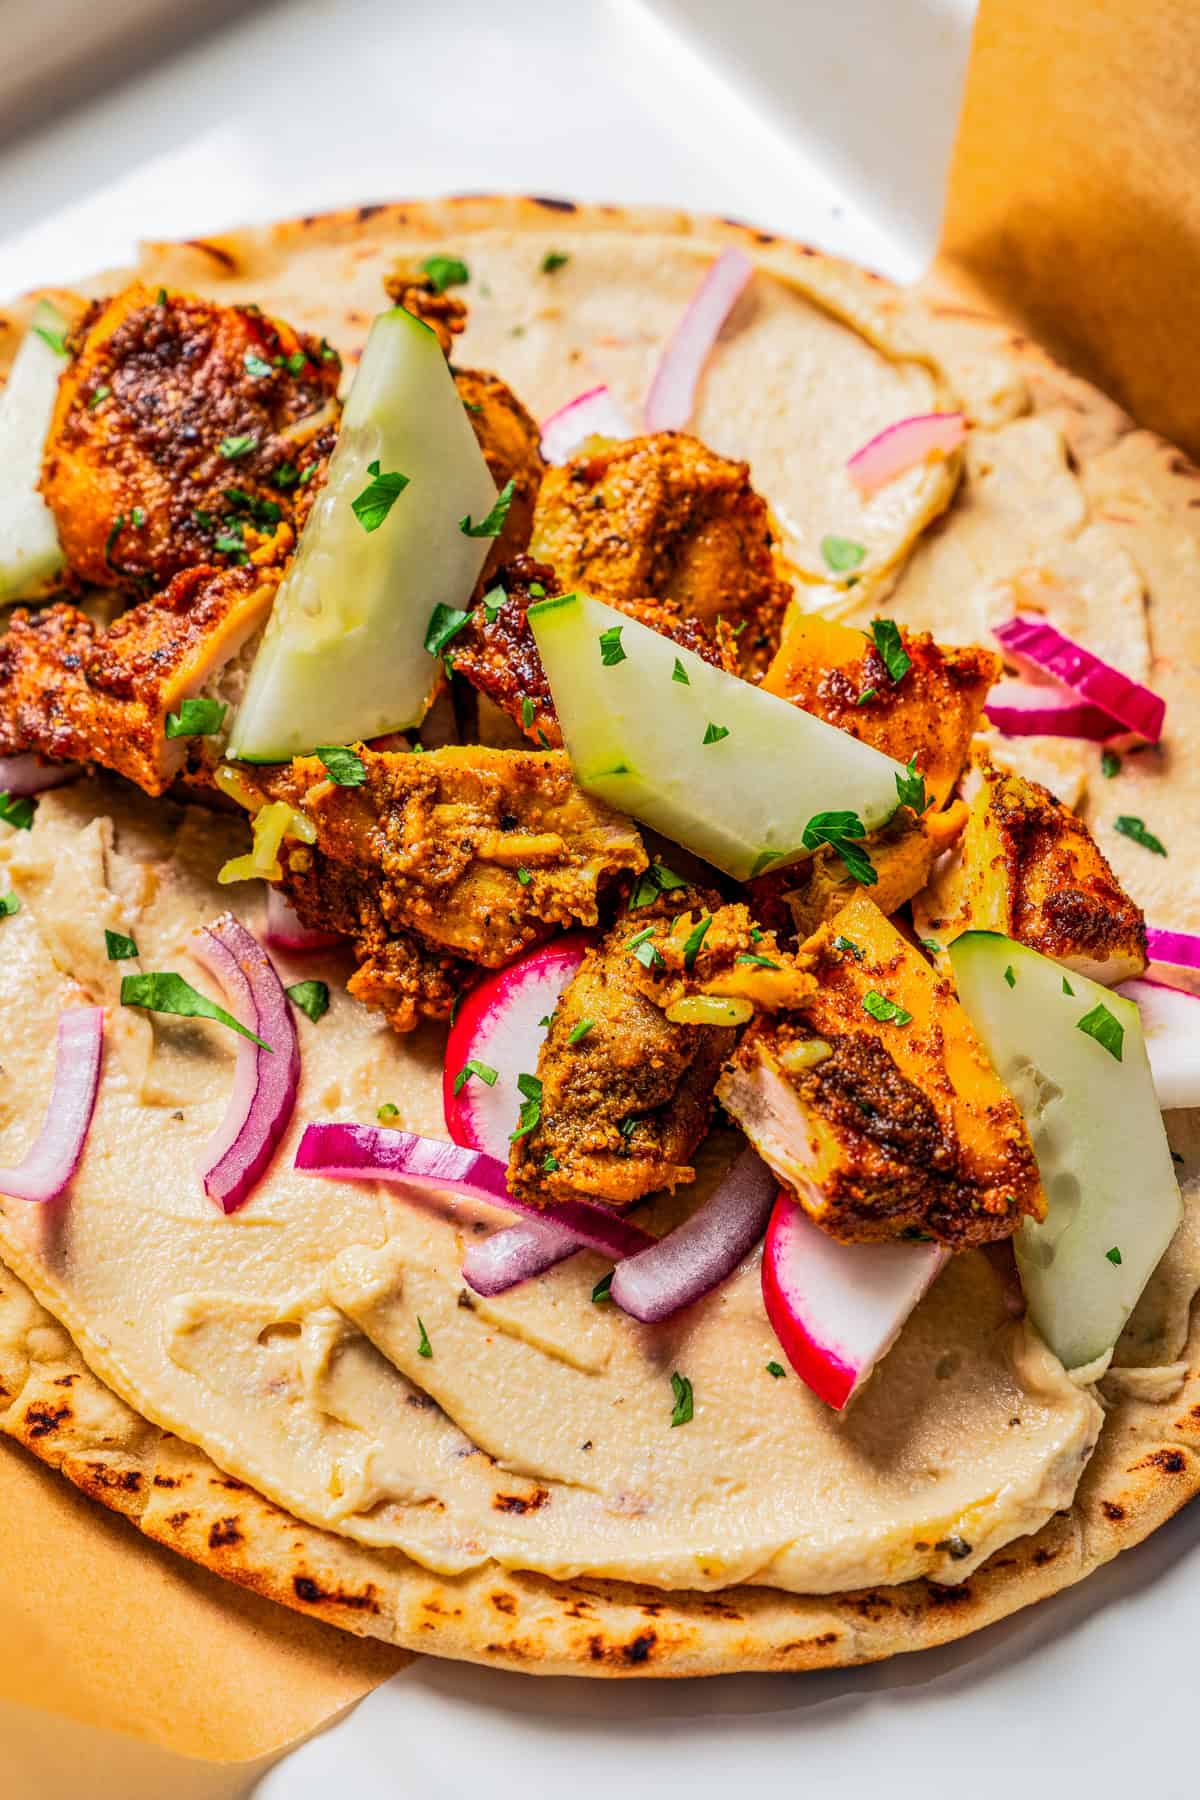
(611, 651)
(896, 660)
(932, 945)
(756, 962)
(343, 766)
(263, 512)
(287, 475)
(99, 396)
(600, 1291)
(424, 1347)
(160, 299)
(627, 1127)
(57, 340)
(840, 830)
(910, 787)
(1136, 829)
(1010, 977)
(444, 272)
(550, 1165)
(255, 365)
(1067, 988)
(885, 1010)
(528, 712)
(682, 1411)
(524, 877)
(230, 542)
(1105, 1027)
(196, 718)
(679, 673)
(777, 1370)
(649, 956)
(115, 530)
(554, 259)
(377, 499)
(536, 591)
(387, 1112)
(484, 1072)
(312, 997)
(1114, 1256)
(530, 1115)
(849, 946)
(9, 904)
(867, 694)
(655, 880)
(445, 622)
(118, 947)
(233, 447)
(167, 992)
(493, 600)
(695, 938)
(841, 553)
(1110, 763)
(714, 733)
(639, 938)
(16, 810)
(493, 524)
(578, 1032)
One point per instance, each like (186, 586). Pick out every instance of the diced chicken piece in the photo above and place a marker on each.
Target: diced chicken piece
(932, 710)
(82, 692)
(902, 854)
(1026, 866)
(876, 1103)
(410, 286)
(179, 423)
(472, 854)
(664, 517)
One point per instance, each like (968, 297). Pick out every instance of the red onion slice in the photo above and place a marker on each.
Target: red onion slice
(1174, 958)
(516, 1254)
(1039, 709)
(285, 930)
(376, 1153)
(591, 414)
(265, 1081)
(53, 1158)
(1033, 641)
(692, 1259)
(902, 446)
(32, 774)
(672, 397)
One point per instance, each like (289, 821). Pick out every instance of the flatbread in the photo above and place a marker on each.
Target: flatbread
(323, 274)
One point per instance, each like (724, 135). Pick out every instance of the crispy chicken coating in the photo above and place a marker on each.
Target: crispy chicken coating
(1028, 867)
(472, 854)
(933, 709)
(876, 1103)
(83, 692)
(497, 654)
(410, 287)
(178, 423)
(665, 517)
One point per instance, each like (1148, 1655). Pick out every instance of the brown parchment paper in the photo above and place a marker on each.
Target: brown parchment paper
(1073, 206)
(1073, 209)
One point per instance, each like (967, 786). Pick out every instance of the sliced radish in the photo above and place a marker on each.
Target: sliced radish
(837, 1309)
(591, 414)
(1171, 1027)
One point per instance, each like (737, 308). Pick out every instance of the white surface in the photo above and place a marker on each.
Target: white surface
(830, 122)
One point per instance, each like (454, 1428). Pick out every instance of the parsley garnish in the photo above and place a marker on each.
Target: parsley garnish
(524, 877)
(531, 1111)
(1114, 1256)
(445, 622)
(578, 1032)
(1105, 1027)
(387, 1112)
(649, 956)
(849, 946)
(424, 1347)
(296, 362)
(118, 947)
(169, 993)
(1067, 988)
(910, 787)
(255, 365)
(932, 945)
(1110, 763)
(885, 1010)
(611, 652)
(16, 811)
(286, 475)
(312, 997)
(554, 259)
(756, 962)
(840, 830)
(99, 396)
(230, 542)
(160, 299)
(842, 553)
(493, 524)
(196, 718)
(777, 1370)
(655, 880)
(57, 340)
(679, 673)
(266, 512)
(550, 1165)
(9, 904)
(115, 530)
(695, 938)
(714, 733)
(493, 600)
(536, 591)
(1135, 828)
(345, 767)
(600, 1291)
(445, 272)
(639, 938)
(377, 499)
(867, 694)
(1009, 976)
(233, 447)
(528, 712)
(484, 1071)
(681, 1387)
(896, 659)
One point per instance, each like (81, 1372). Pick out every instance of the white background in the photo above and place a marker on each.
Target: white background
(827, 119)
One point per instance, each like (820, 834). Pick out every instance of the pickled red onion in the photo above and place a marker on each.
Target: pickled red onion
(1033, 641)
(902, 446)
(1042, 709)
(591, 414)
(672, 397)
(53, 1158)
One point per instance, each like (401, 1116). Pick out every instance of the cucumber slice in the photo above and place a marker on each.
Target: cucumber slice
(1113, 1201)
(636, 711)
(30, 554)
(343, 655)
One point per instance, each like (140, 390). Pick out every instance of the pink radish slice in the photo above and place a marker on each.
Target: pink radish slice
(32, 774)
(500, 1026)
(1171, 1027)
(591, 414)
(672, 397)
(837, 1309)
(53, 1158)
(1174, 958)
(902, 446)
(285, 930)
(1045, 709)
(1035, 644)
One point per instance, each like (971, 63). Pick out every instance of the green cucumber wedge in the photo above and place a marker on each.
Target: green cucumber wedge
(712, 762)
(30, 555)
(343, 655)
(1113, 1201)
